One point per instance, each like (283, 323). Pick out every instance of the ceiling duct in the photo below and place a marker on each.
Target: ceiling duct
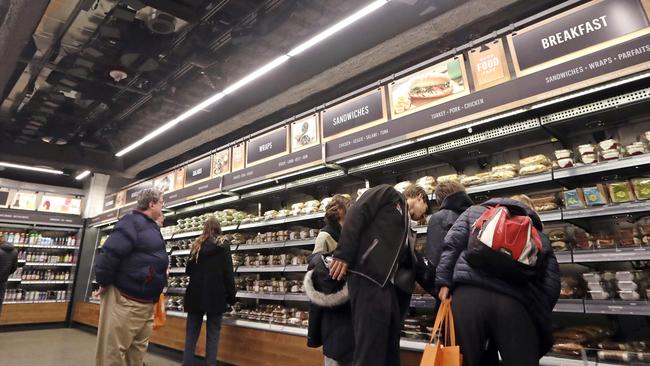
(160, 22)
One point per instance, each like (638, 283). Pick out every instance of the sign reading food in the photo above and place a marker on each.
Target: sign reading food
(354, 114)
(582, 30)
(179, 178)
(489, 65)
(238, 157)
(266, 146)
(221, 163)
(433, 85)
(60, 204)
(198, 171)
(304, 133)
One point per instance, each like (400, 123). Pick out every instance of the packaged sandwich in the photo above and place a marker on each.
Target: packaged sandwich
(535, 160)
(505, 167)
(641, 188)
(574, 198)
(636, 148)
(503, 174)
(620, 192)
(471, 180)
(534, 169)
(595, 195)
(449, 178)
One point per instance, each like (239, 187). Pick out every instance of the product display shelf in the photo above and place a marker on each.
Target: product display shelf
(45, 264)
(94, 301)
(284, 220)
(569, 306)
(617, 307)
(177, 270)
(22, 261)
(46, 282)
(14, 280)
(254, 269)
(272, 296)
(509, 183)
(607, 210)
(36, 302)
(277, 244)
(180, 252)
(175, 290)
(36, 246)
(611, 255)
(639, 161)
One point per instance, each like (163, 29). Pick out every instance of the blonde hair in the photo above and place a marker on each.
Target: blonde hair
(522, 198)
(211, 229)
(338, 202)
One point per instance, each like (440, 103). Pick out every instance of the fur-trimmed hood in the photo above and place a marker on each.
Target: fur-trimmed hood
(322, 299)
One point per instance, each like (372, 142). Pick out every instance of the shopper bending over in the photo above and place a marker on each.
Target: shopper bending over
(453, 201)
(131, 272)
(211, 289)
(377, 245)
(330, 323)
(8, 265)
(512, 315)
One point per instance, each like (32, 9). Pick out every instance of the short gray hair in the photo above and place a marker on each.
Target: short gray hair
(147, 196)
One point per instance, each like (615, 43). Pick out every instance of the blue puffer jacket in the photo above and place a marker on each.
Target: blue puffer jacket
(538, 296)
(134, 259)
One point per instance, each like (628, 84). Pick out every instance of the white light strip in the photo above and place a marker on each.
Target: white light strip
(337, 27)
(83, 175)
(375, 152)
(26, 167)
(258, 73)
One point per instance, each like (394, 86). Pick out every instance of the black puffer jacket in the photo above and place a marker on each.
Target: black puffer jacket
(330, 315)
(8, 265)
(212, 283)
(440, 223)
(538, 296)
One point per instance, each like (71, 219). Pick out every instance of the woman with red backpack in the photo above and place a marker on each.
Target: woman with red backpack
(505, 281)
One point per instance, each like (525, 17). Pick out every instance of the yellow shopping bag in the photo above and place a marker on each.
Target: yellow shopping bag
(442, 349)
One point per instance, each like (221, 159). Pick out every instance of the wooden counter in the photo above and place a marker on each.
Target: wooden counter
(38, 313)
(237, 345)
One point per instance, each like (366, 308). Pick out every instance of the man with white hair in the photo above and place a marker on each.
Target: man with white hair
(131, 272)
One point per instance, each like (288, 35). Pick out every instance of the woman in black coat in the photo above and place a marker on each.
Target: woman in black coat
(453, 201)
(330, 319)
(211, 289)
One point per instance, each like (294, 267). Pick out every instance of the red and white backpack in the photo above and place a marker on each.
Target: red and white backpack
(504, 244)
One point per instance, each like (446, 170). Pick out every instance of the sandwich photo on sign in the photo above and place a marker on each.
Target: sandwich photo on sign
(120, 199)
(434, 85)
(221, 163)
(304, 133)
(489, 65)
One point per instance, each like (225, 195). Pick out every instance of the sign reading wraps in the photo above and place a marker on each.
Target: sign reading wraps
(272, 168)
(267, 146)
(354, 114)
(576, 30)
(110, 202)
(625, 58)
(198, 171)
(132, 193)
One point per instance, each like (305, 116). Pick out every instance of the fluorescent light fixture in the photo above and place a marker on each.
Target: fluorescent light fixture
(83, 175)
(32, 168)
(374, 152)
(258, 73)
(337, 27)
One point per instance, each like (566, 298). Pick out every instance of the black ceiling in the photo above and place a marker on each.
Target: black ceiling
(63, 105)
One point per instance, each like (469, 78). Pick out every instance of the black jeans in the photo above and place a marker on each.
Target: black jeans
(192, 331)
(483, 316)
(377, 317)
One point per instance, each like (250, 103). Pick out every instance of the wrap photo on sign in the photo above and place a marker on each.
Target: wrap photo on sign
(436, 84)
(238, 157)
(304, 133)
(221, 163)
(489, 65)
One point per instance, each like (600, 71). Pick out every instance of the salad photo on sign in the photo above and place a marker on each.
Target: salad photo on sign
(304, 133)
(434, 85)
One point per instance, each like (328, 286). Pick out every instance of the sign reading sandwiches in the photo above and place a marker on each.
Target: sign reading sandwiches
(489, 65)
(434, 85)
(198, 171)
(354, 114)
(267, 146)
(587, 28)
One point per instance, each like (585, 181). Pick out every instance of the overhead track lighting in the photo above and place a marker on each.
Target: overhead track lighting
(83, 175)
(32, 168)
(320, 37)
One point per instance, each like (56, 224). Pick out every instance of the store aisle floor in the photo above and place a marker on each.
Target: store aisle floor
(56, 347)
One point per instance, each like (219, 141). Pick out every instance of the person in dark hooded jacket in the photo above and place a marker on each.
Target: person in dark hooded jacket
(515, 317)
(211, 289)
(330, 318)
(453, 201)
(8, 265)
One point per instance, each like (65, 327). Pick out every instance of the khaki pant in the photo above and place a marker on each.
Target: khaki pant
(123, 331)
